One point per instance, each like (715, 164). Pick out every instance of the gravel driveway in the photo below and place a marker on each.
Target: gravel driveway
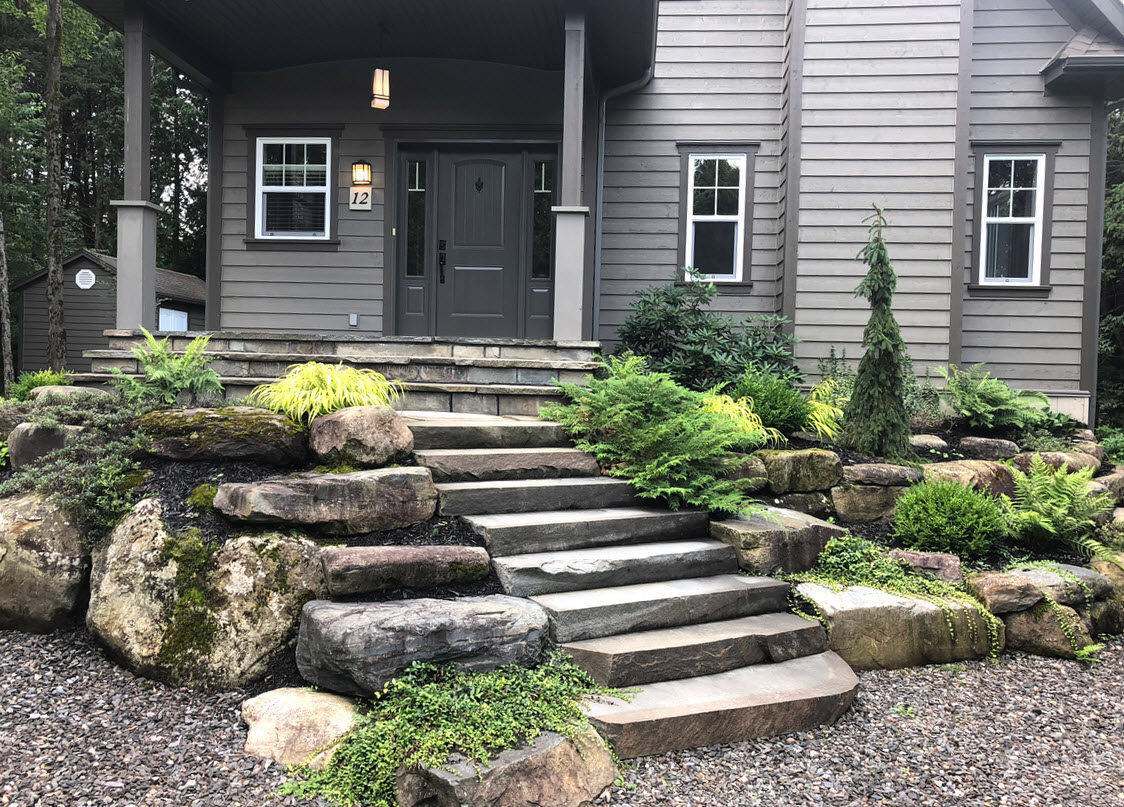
(76, 730)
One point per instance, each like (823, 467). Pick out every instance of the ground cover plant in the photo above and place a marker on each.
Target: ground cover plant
(166, 377)
(949, 517)
(431, 712)
(307, 391)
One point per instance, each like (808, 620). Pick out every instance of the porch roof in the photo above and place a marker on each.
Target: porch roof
(209, 39)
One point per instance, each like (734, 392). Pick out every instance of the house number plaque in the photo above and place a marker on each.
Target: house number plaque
(360, 198)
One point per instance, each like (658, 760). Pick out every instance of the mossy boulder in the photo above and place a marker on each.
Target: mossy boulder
(191, 613)
(1047, 630)
(801, 471)
(229, 433)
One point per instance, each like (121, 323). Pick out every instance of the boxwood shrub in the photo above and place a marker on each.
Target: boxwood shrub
(948, 517)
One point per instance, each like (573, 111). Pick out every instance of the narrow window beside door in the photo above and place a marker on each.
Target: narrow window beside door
(1011, 237)
(716, 215)
(415, 218)
(293, 191)
(542, 243)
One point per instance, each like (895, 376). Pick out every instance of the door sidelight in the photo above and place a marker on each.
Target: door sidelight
(441, 260)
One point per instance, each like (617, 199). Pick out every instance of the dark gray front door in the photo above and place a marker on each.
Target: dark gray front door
(479, 244)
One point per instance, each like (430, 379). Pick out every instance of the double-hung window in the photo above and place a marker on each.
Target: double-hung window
(716, 215)
(1012, 228)
(293, 189)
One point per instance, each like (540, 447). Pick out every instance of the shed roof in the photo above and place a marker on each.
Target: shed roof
(170, 285)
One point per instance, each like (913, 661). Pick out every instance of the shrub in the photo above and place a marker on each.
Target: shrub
(779, 404)
(948, 517)
(825, 416)
(21, 389)
(671, 326)
(1113, 441)
(1055, 507)
(312, 389)
(429, 713)
(740, 413)
(644, 427)
(877, 423)
(988, 403)
(166, 376)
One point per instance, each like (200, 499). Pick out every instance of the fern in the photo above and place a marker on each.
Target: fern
(312, 389)
(166, 376)
(988, 403)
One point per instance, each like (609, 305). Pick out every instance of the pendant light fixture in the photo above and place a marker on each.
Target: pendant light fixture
(380, 89)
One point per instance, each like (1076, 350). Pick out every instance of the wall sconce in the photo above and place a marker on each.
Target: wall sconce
(380, 89)
(360, 173)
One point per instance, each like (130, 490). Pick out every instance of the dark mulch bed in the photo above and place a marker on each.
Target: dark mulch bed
(173, 482)
(437, 531)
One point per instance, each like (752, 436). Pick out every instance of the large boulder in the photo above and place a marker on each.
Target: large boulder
(750, 469)
(363, 569)
(367, 435)
(295, 726)
(59, 391)
(928, 444)
(1114, 481)
(776, 540)
(990, 477)
(1003, 593)
(876, 630)
(864, 504)
(174, 608)
(339, 504)
(1046, 630)
(880, 473)
(1069, 585)
(1093, 449)
(43, 565)
(801, 471)
(988, 448)
(229, 433)
(30, 442)
(1070, 460)
(355, 648)
(553, 771)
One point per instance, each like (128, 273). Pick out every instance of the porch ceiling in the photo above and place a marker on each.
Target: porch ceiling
(216, 37)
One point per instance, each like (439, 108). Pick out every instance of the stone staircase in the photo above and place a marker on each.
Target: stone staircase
(476, 376)
(638, 595)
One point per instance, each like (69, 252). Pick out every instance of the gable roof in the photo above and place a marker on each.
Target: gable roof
(177, 286)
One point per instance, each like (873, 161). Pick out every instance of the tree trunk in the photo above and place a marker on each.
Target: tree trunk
(56, 331)
(5, 306)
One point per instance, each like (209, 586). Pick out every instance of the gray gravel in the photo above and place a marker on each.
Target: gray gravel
(76, 730)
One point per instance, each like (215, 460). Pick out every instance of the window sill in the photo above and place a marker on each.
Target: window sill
(996, 291)
(294, 244)
(728, 288)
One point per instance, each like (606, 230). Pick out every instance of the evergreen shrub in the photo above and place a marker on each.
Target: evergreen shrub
(948, 517)
(775, 400)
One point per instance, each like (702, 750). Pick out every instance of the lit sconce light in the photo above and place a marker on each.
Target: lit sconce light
(380, 89)
(360, 173)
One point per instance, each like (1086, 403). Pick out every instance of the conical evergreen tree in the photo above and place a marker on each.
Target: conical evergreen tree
(877, 420)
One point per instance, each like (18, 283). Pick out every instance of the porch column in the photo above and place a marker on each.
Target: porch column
(136, 215)
(571, 215)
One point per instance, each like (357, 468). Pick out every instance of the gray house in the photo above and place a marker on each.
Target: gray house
(534, 165)
(89, 295)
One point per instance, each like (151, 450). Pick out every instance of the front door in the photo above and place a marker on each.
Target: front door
(475, 246)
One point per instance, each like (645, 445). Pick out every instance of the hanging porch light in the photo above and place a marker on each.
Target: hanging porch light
(380, 89)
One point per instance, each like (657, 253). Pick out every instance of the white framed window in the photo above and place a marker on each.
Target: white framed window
(294, 194)
(716, 210)
(1012, 201)
(172, 319)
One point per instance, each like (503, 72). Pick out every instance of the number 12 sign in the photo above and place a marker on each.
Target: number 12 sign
(360, 198)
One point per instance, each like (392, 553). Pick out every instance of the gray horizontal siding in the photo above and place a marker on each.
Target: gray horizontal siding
(87, 313)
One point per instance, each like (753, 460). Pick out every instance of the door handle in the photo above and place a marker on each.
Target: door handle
(441, 266)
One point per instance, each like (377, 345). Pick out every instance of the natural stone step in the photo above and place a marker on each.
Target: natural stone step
(554, 531)
(490, 464)
(775, 539)
(448, 431)
(551, 572)
(591, 614)
(742, 704)
(693, 650)
(532, 495)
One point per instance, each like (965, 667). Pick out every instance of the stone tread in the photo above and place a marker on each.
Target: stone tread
(553, 572)
(594, 613)
(691, 650)
(553, 531)
(448, 431)
(532, 495)
(489, 464)
(741, 704)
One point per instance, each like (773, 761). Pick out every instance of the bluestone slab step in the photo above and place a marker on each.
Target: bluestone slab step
(532, 495)
(550, 572)
(521, 533)
(480, 431)
(742, 704)
(692, 650)
(489, 464)
(591, 614)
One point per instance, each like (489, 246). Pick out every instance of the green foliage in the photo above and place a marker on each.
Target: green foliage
(740, 412)
(948, 517)
(429, 713)
(922, 400)
(202, 497)
(21, 390)
(92, 478)
(1110, 347)
(1055, 507)
(1042, 440)
(988, 403)
(166, 376)
(1113, 441)
(644, 427)
(877, 423)
(312, 389)
(825, 415)
(852, 561)
(671, 325)
(775, 400)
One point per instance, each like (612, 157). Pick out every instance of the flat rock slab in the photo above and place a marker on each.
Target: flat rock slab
(369, 435)
(877, 473)
(227, 433)
(354, 649)
(533, 495)
(759, 701)
(876, 630)
(1003, 593)
(1069, 585)
(988, 448)
(939, 565)
(801, 471)
(1071, 461)
(551, 772)
(776, 540)
(470, 431)
(363, 569)
(990, 477)
(865, 504)
(816, 503)
(340, 504)
(692, 650)
(489, 464)
(296, 726)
